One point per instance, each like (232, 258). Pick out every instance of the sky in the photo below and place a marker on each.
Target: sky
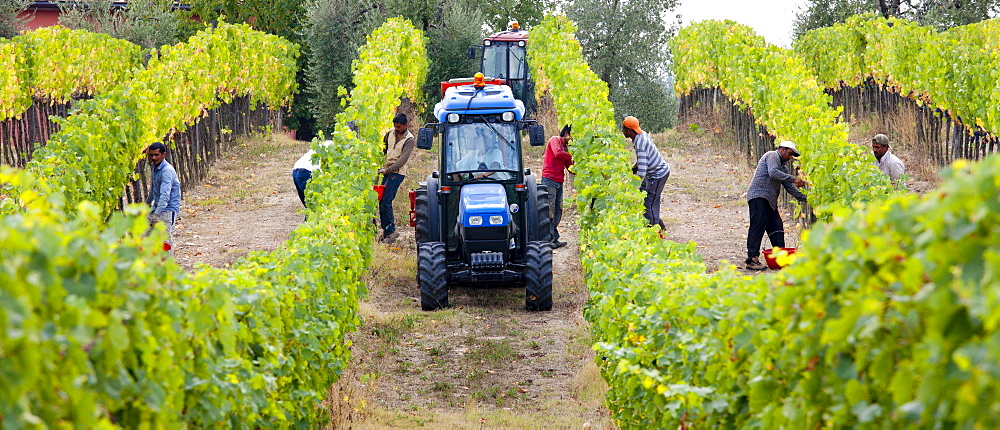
(771, 19)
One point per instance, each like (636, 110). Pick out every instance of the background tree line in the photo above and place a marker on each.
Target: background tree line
(940, 14)
(624, 41)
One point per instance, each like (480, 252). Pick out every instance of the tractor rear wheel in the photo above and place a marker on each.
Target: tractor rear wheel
(538, 276)
(543, 217)
(432, 275)
(422, 228)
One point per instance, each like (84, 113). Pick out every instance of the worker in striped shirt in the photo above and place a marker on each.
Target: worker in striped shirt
(649, 166)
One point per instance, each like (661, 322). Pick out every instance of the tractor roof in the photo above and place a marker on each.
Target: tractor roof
(508, 35)
(467, 99)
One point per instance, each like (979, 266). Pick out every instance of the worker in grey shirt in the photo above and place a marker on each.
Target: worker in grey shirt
(886, 161)
(762, 197)
(164, 196)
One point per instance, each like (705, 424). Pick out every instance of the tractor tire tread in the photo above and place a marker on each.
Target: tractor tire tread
(432, 275)
(538, 276)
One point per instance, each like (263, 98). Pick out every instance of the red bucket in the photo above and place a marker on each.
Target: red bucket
(772, 262)
(379, 189)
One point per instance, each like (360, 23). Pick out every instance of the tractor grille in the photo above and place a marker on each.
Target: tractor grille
(487, 260)
(486, 233)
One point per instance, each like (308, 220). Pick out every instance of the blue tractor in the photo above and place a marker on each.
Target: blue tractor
(481, 219)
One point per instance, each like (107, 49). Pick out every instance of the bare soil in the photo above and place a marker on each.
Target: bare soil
(247, 203)
(484, 362)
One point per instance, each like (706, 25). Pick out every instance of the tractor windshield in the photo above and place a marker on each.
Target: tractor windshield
(518, 68)
(495, 60)
(505, 61)
(490, 149)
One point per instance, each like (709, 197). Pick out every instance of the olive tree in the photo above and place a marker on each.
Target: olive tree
(625, 43)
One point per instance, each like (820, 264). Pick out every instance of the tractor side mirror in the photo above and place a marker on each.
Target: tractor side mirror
(472, 52)
(536, 135)
(425, 137)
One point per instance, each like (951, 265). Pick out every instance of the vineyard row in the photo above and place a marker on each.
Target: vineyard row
(136, 340)
(887, 318)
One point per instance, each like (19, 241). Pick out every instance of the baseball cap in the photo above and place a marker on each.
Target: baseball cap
(881, 139)
(790, 145)
(633, 123)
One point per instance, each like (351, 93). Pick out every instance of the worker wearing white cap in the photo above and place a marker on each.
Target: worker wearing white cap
(762, 197)
(885, 160)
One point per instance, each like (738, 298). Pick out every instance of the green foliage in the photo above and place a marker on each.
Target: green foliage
(892, 313)
(175, 89)
(10, 19)
(886, 318)
(15, 80)
(954, 71)
(498, 13)
(783, 95)
(815, 14)
(98, 329)
(460, 27)
(147, 23)
(940, 14)
(278, 17)
(625, 44)
(333, 32)
(57, 64)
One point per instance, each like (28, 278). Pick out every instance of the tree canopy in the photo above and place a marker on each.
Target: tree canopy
(625, 43)
(941, 14)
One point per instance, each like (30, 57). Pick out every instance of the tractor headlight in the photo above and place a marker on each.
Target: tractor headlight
(475, 220)
(520, 43)
(487, 42)
(507, 116)
(496, 219)
(452, 118)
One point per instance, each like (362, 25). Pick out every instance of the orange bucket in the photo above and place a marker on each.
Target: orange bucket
(379, 189)
(772, 262)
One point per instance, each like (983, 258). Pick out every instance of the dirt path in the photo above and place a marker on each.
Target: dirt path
(247, 203)
(484, 362)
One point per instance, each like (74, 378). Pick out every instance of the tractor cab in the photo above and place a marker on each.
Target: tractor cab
(505, 57)
(481, 219)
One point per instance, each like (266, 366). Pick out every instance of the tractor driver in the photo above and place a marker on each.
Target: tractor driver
(483, 156)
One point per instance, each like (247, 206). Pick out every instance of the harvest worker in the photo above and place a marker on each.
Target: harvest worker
(164, 196)
(399, 143)
(649, 166)
(303, 169)
(762, 197)
(557, 159)
(886, 161)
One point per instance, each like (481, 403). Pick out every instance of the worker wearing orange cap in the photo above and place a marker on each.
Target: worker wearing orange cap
(649, 166)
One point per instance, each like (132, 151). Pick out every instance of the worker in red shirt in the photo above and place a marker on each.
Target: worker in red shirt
(556, 160)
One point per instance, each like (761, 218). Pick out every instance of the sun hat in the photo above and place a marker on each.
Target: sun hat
(633, 123)
(790, 145)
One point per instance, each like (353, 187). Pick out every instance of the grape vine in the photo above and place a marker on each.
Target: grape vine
(783, 96)
(99, 329)
(56, 64)
(954, 70)
(887, 317)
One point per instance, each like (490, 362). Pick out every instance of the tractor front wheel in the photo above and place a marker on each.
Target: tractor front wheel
(432, 275)
(538, 276)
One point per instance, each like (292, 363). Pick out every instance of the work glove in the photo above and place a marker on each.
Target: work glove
(381, 171)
